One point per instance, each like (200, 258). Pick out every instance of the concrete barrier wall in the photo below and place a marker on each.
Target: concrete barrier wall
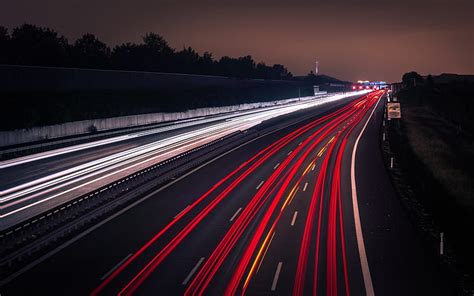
(17, 79)
(21, 136)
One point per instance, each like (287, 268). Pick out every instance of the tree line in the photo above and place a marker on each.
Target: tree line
(39, 46)
(452, 99)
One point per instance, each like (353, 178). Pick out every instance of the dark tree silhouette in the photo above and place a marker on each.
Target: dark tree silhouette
(4, 44)
(187, 61)
(126, 57)
(157, 43)
(207, 64)
(31, 45)
(430, 81)
(4, 37)
(311, 78)
(243, 67)
(246, 67)
(90, 52)
(263, 71)
(157, 54)
(411, 79)
(280, 72)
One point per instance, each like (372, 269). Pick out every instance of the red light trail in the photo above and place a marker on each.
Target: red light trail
(331, 132)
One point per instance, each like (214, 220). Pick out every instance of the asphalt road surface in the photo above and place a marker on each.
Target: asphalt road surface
(308, 209)
(33, 184)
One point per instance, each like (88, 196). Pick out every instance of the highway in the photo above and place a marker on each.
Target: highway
(35, 183)
(307, 209)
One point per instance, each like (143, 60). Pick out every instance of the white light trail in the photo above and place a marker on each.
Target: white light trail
(29, 194)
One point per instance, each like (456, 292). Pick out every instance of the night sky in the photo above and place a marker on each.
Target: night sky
(376, 40)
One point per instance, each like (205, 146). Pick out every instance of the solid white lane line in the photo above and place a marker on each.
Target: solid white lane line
(181, 212)
(369, 289)
(277, 165)
(186, 280)
(235, 215)
(305, 185)
(259, 185)
(277, 275)
(116, 266)
(294, 218)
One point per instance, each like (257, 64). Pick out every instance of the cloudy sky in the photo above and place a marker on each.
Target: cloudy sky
(352, 39)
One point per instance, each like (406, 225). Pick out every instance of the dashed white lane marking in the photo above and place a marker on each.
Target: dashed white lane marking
(259, 185)
(369, 289)
(181, 212)
(290, 152)
(235, 215)
(305, 185)
(277, 165)
(294, 218)
(441, 243)
(116, 266)
(277, 275)
(312, 169)
(186, 280)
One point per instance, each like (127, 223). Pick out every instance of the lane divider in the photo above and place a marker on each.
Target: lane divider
(277, 275)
